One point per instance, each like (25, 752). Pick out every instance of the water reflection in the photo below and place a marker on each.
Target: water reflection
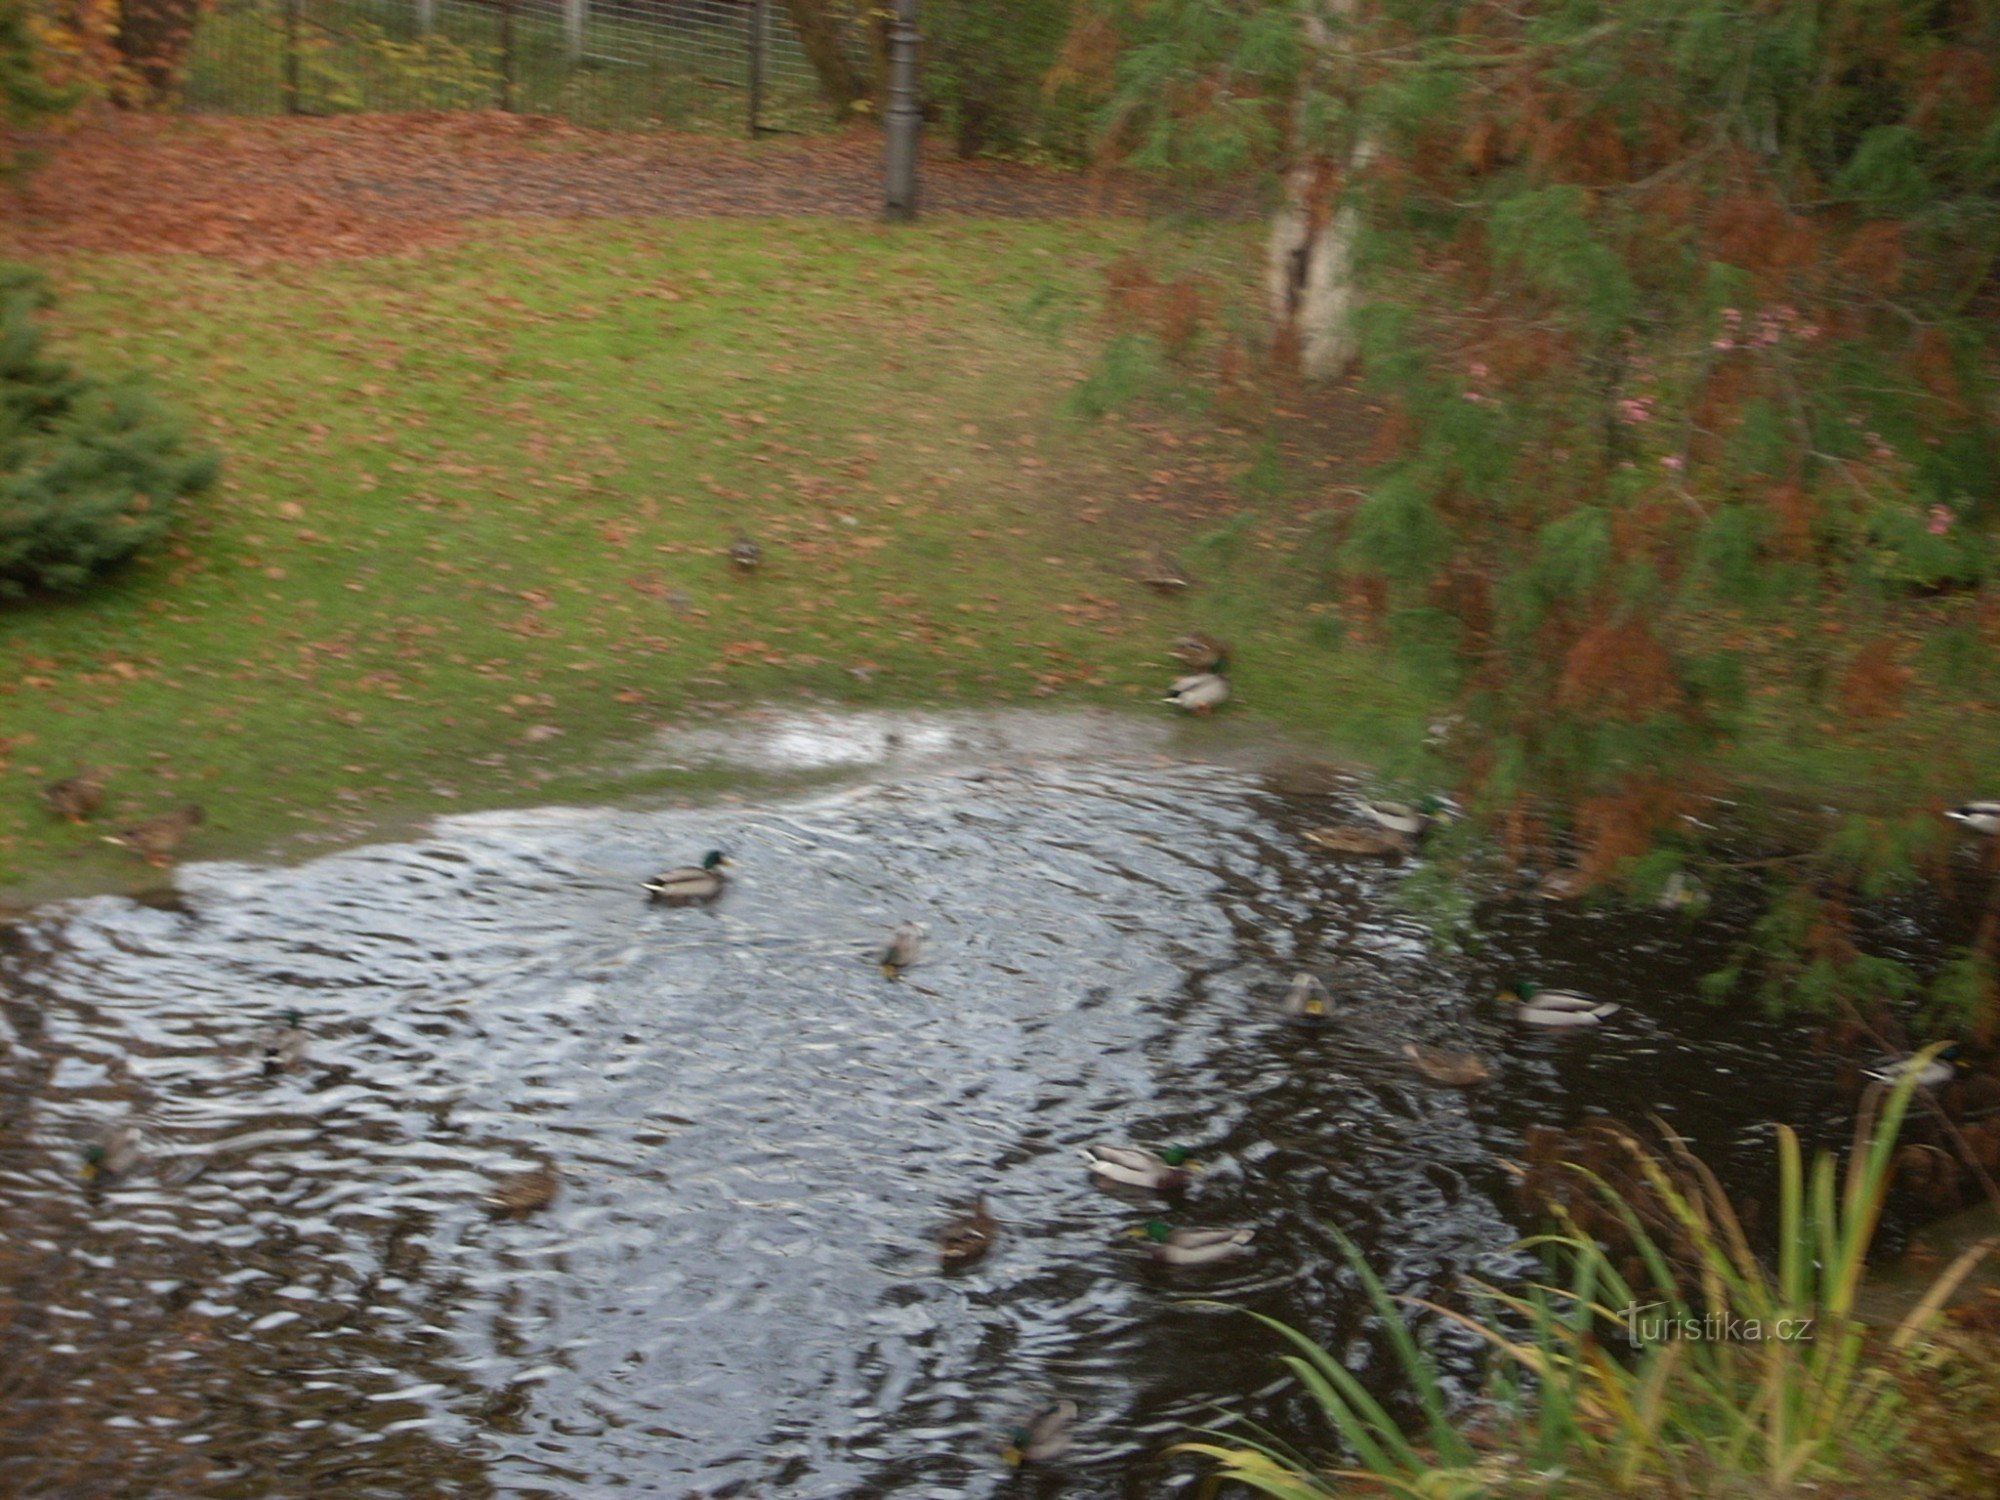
(736, 1290)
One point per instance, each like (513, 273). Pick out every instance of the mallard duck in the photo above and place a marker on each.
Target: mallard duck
(1201, 653)
(1934, 1074)
(1350, 838)
(525, 1192)
(1457, 1070)
(1306, 998)
(745, 554)
(1411, 822)
(1133, 1166)
(1561, 885)
(1980, 817)
(690, 885)
(1042, 1436)
(285, 1044)
(904, 948)
(1539, 1007)
(114, 1152)
(1201, 694)
(1163, 573)
(1196, 1247)
(969, 1236)
(1682, 892)
(156, 839)
(75, 798)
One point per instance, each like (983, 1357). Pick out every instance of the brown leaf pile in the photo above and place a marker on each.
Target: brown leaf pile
(356, 185)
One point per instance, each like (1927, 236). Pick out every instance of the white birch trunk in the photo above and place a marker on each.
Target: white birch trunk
(1309, 269)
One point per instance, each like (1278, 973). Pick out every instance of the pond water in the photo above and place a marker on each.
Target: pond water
(736, 1291)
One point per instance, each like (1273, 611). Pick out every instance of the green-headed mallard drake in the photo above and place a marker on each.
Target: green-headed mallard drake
(113, 1152)
(1979, 817)
(1202, 693)
(1134, 1166)
(1348, 838)
(1162, 572)
(1305, 998)
(524, 1193)
(1196, 1247)
(1200, 652)
(969, 1236)
(1041, 1436)
(690, 885)
(1932, 1074)
(285, 1045)
(1411, 822)
(156, 839)
(904, 948)
(1457, 1070)
(1539, 1007)
(75, 798)
(745, 555)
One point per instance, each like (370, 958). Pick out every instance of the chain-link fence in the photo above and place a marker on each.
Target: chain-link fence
(690, 64)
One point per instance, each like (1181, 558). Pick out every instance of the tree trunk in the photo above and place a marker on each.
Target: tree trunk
(1309, 269)
(821, 27)
(153, 40)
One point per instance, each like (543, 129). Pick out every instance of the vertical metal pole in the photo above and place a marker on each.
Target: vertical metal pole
(292, 56)
(575, 12)
(755, 21)
(902, 116)
(507, 55)
(427, 15)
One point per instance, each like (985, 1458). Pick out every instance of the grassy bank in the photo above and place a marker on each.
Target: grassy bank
(471, 535)
(470, 545)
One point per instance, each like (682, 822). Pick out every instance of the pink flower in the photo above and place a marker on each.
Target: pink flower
(1731, 316)
(1941, 519)
(1673, 461)
(1722, 343)
(1478, 370)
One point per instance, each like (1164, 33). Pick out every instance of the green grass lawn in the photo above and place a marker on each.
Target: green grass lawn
(470, 539)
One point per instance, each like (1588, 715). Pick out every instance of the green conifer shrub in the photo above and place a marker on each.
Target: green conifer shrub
(90, 470)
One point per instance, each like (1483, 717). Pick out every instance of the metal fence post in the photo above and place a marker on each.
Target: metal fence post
(427, 15)
(755, 21)
(575, 13)
(902, 116)
(292, 56)
(507, 55)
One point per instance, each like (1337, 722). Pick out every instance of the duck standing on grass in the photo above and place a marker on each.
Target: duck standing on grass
(1199, 652)
(1556, 1008)
(968, 1237)
(1202, 693)
(1042, 1436)
(1133, 1166)
(745, 555)
(156, 839)
(1196, 1247)
(1163, 574)
(690, 885)
(75, 798)
(904, 948)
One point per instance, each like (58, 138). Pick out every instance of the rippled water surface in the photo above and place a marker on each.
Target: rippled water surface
(735, 1292)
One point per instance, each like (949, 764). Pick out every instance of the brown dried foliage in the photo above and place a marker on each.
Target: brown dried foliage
(1617, 669)
(1874, 683)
